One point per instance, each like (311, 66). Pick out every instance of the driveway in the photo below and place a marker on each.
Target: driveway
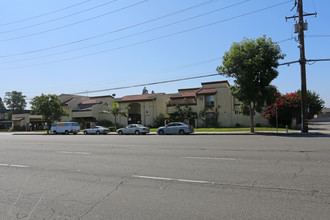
(320, 125)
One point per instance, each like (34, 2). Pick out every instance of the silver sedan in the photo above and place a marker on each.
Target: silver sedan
(175, 128)
(133, 129)
(96, 130)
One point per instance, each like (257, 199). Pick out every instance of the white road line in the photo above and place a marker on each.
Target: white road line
(70, 152)
(210, 158)
(13, 165)
(21, 166)
(172, 179)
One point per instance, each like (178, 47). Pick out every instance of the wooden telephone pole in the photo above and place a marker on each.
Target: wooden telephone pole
(302, 61)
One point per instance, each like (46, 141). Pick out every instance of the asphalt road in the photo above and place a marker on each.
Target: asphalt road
(164, 177)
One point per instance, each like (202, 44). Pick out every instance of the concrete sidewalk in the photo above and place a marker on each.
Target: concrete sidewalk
(282, 133)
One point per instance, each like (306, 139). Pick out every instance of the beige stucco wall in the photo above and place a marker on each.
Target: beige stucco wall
(224, 104)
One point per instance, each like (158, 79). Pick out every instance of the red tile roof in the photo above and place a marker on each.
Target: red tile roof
(66, 102)
(104, 96)
(216, 82)
(206, 91)
(17, 119)
(183, 95)
(90, 102)
(183, 101)
(136, 98)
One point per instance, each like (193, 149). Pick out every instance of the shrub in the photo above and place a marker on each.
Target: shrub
(159, 121)
(286, 108)
(19, 128)
(104, 123)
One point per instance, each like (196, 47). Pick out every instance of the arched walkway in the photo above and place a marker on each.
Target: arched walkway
(134, 113)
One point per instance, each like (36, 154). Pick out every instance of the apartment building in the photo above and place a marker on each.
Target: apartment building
(212, 102)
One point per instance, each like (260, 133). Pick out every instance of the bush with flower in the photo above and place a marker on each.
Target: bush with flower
(286, 108)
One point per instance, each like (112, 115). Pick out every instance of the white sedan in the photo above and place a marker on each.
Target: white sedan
(96, 130)
(133, 129)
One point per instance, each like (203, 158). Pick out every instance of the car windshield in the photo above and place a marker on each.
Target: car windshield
(140, 126)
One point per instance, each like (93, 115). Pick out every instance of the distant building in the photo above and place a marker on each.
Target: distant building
(325, 113)
(5, 122)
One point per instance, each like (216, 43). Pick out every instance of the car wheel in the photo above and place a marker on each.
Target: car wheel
(98, 132)
(120, 132)
(181, 132)
(85, 132)
(54, 132)
(160, 132)
(66, 132)
(137, 132)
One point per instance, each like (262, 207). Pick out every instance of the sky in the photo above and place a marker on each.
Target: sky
(84, 46)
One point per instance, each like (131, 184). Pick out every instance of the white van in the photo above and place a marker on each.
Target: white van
(65, 128)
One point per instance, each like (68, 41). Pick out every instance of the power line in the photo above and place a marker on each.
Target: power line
(42, 15)
(57, 19)
(316, 36)
(111, 32)
(147, 84)
(154, 39)
(127, 36)
(174, 69)
(75, 23)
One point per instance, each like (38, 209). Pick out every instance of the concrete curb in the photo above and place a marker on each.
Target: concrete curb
(294, 133)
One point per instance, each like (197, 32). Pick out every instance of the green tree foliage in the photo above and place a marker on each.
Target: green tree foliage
(314, 103)
(104, 123)
(182, 114)
(284, 109)
(145, 91)
(2, 105)
(159, 121)
(49, 106)
(15, 101)
(115, 110)
(252, 64)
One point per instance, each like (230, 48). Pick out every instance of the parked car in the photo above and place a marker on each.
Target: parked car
(96, 130)
(175, 128)
(133, 129)
(65, 128)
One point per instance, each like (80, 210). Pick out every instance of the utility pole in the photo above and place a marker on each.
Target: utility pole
(302, 61)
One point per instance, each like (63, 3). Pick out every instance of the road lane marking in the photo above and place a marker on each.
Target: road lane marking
(13, 165)
(21, 166)
(210, 158)
(172, 179)
(70, 152)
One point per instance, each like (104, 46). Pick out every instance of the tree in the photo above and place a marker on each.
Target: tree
(115, 110)
(15, 101)
(252, 64)
(182, 114)
(49, 106)
(314, 103)
(145, 91)
(159, 121)
(2, 105)
(283, 110)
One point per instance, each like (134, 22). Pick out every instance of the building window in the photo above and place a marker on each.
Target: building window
(237, 112)
(209, 101)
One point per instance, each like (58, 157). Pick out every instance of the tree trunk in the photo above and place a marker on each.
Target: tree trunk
(251, 108)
